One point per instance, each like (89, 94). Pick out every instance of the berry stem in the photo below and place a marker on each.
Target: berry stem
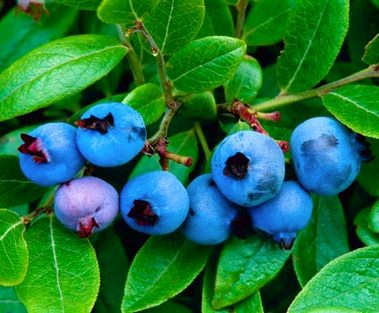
(283, 99)
(202, 140)
(132, 57)
(241, 7)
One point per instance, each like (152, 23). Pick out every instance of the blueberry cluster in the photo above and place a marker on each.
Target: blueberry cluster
(247, 179)
(248, 171)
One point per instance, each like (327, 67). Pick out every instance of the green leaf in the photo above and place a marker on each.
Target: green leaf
(9, 303)
(376, 3)
(80, 4)
(124, 12)
(13, 250)
(357, 107)
(323, 239)
(113, 269)
(348, 282)
(367, 174)
(213, 61)
(15, 188)
(364, 233)
(261, 26)
(65, 67)
(63, 272)
(169, 307)
(148, 100)
(174, 23)
(199, 106)
(252, 304)
(160, 270)
(311, 46)
(218, 20)
(371, 55)
(245, 83)
(374, 217)
(19, 33)
(244, 267)
(184, 144)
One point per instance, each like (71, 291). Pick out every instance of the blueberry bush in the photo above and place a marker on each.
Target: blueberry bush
(267, 110)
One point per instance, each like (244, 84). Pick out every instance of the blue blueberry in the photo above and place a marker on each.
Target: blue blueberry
(210, 215)
(154, 203)
(110, 134)
(248, 168)
(326, 155)
(49, 154)
(86, 205)
(284, 215)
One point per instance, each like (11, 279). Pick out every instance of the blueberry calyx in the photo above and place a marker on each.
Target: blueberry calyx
(33, 146)
(86, 226)
(236, 166)
(143, 214)
(99, 124)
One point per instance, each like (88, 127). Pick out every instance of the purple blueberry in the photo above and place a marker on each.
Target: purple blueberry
(248, 168)
(326, 155)
(210, 215)
(86, 205)
(111, 134)
(284, 215)
(154, 203)
(50, 155)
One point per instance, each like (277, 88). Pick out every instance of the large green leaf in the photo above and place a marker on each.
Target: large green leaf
(63, 273)
(371, 55)
(348, 282)
(173, 23)
(244, 267)
(213, 61)
(124, 11)
(261, 27)
(80, 4)
(374, 217)
(14, 254)
(15, 188)
(199, 106)
(357, 107)
(163, 267)
(113, 269)
(184, 144)
(56, 70)
(246, 82)
(252, 304)
(148, 100)
(315, 34)
(324, 238)
(9, 303)
(19, 33)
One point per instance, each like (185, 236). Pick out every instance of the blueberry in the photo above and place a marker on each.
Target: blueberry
(111, 134)
(154, 203)
(326, 155)
(284, 215)
(86, 205)
(50, 155)
(210, 215)
(248, 168)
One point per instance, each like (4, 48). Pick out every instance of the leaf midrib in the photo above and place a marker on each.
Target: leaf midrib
(368, 112)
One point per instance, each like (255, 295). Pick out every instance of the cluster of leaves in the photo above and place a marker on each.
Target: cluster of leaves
(148, 53)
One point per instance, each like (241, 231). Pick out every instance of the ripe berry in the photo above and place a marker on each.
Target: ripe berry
(284, 215)
(248, 168)
(86, 205)
(326, 155)
(111, 134)
(210, 215)
(50, 155)
(154, 203)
